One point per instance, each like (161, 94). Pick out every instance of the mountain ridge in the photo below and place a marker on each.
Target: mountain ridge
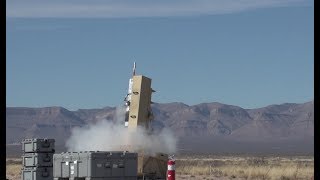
(284, 121)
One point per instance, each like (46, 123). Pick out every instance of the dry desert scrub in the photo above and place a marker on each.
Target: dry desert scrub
(248, 167)
(13, 169)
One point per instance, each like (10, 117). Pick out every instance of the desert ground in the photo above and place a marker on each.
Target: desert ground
(245, 167)
(223, 167)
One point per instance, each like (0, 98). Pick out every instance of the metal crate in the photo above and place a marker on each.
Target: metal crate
(37, 173)
(37, 145)
(105, 178)
(95, 165)
(37, 160)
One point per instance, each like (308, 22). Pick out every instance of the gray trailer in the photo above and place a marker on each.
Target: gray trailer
(95, 165)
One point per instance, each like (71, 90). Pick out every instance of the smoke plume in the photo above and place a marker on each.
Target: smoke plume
(112, 135)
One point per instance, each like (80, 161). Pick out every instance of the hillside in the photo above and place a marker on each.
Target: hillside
(205, 122)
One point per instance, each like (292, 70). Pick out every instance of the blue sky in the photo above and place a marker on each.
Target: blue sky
(78, 54)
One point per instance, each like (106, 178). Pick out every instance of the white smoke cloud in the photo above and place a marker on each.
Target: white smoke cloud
(112, 135)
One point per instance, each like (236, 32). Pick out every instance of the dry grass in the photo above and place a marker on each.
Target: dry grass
(247, 167)
(13, 169)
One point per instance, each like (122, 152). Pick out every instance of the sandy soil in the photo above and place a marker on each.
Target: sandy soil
(203, 177)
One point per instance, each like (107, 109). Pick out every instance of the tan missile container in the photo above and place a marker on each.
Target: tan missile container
(140, 111)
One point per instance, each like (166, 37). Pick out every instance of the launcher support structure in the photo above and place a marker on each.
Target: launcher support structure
(139, 114)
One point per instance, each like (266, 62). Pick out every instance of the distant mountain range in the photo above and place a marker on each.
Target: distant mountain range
(287, 121)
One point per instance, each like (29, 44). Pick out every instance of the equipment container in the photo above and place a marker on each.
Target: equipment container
(37, 173)
(95, 165)
(37, 145)
(37, 160)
